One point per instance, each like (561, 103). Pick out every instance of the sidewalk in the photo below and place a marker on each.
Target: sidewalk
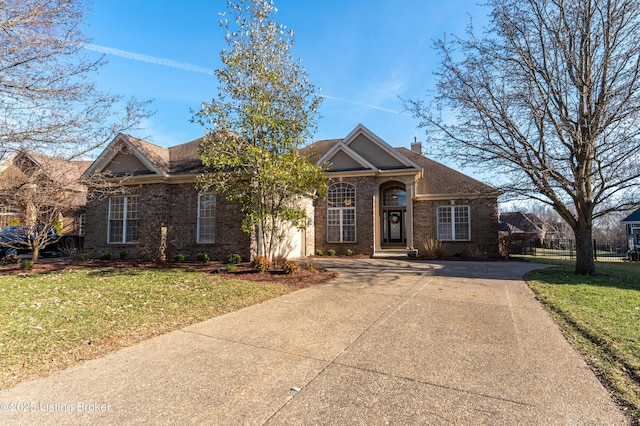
(387, 342)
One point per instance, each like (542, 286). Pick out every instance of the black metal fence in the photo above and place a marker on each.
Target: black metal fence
(565, 249)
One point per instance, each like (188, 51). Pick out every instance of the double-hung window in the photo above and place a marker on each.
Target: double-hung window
(123, 220)
(453, 223)
(341, 213)
(206, 218)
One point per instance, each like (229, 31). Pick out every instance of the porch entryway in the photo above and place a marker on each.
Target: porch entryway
(394, 216)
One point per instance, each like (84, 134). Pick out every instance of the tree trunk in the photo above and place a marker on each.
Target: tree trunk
(585, 264)
(35, 254)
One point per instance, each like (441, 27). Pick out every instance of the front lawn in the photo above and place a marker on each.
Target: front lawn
(50, 321)
(601, 317)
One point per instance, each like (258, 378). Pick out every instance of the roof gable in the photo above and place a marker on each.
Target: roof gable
(375, 151)
(126, 155)
(633, 217)
(341, 158)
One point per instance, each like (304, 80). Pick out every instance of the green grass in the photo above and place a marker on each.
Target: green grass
(601, 317)
(566, 254)
(50, 321)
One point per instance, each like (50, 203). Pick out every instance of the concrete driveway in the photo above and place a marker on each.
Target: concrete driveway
(388, 342)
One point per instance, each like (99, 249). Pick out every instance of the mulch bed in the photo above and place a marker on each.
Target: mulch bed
(305, 276)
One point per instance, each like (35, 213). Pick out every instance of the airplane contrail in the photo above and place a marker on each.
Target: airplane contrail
(361, 104)
(195, 68)
(150, 59)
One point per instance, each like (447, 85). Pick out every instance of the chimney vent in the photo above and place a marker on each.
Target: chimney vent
(416, 146)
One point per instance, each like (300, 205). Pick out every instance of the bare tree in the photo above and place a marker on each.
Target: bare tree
(549, 95)
(44, 191)
(46, 95)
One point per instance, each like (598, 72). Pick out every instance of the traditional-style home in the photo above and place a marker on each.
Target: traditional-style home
(529, 228)
(391, 200)
(632, 227)
(48, 177)
(381, 200)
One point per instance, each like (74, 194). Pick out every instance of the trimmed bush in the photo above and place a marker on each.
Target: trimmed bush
(26, 264)
(106, 256)
(234, 259)
(348, 252)
(202, 257)
(319, 252)
(331, 252)
(290, 267)
(179, 258)
(260, 264)
(123, 255)
(83, 256)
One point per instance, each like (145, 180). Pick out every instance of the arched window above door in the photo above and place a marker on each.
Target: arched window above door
(394, 196)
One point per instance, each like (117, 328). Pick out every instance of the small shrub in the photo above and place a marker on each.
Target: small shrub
(234, 259)
(348, 252)
(9, 260)
(232, 267)
(179, 258)
(319, 252)
(83, 256)
(290, 267)
(123, 255)
(433, 248)
(106, 256)
(202, 257)
(26, 264)
(260, 264)
(331, 252)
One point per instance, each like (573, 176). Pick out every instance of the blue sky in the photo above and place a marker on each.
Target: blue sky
(362, 55)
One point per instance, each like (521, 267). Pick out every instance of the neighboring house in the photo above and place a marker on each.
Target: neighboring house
(27, 170)
(380, 199)
(632, 226)
(529, 228)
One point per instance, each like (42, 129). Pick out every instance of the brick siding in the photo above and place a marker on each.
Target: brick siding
(365, 190)
(176, 207)
(484, 227)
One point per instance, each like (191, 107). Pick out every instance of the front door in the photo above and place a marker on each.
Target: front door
(395, 226)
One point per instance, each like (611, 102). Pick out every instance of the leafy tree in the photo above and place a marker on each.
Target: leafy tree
(265, 110)
(47, 98)
(549, 95)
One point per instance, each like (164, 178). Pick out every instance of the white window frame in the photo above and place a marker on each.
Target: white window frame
(211, 236)
(82, 218)
(126, 204)
(452, 224)
(341, 210)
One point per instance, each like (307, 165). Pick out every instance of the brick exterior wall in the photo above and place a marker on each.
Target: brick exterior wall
(176, 207)
(365, 190)
(484, 227)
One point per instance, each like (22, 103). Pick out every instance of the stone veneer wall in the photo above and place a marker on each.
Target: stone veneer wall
(484, 227)
(365, 189)
(175, 206)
